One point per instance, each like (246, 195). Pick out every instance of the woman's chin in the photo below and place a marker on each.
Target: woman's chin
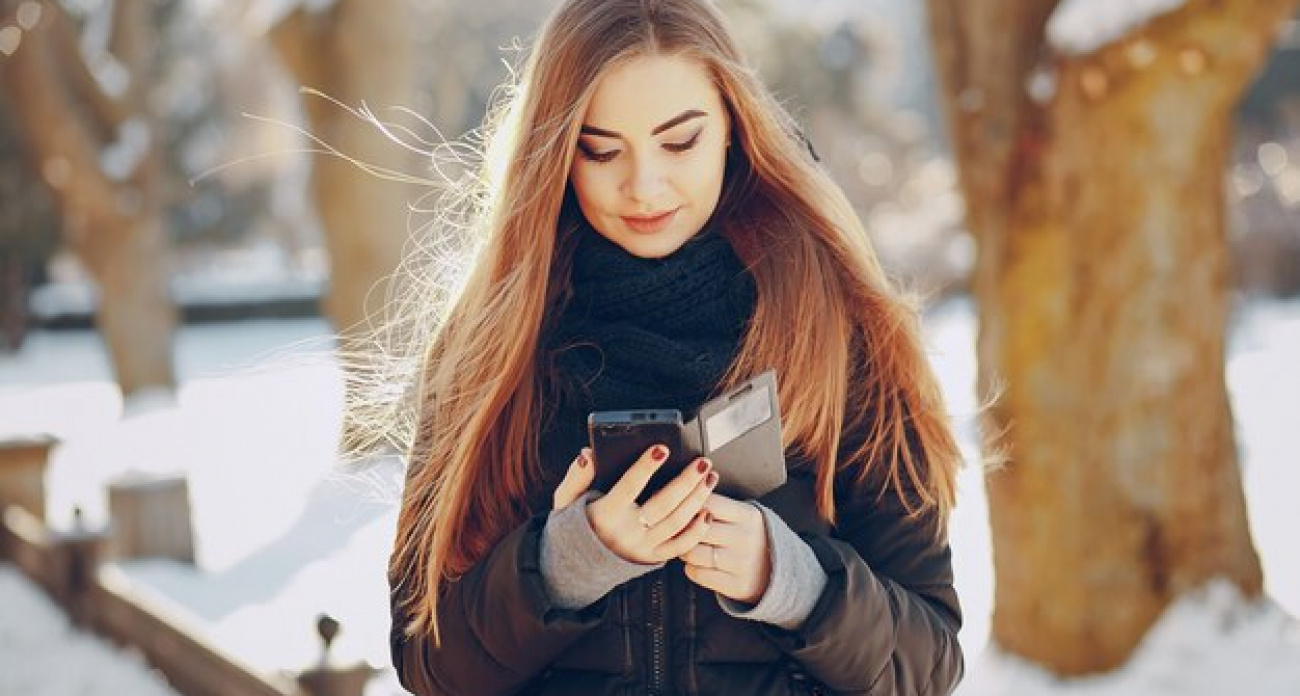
(651, 246)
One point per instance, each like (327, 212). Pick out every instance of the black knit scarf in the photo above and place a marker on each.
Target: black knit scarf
(642, 333)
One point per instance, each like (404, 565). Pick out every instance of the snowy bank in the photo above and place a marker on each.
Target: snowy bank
(41, 654)
(1210, 643)
(1079, 27)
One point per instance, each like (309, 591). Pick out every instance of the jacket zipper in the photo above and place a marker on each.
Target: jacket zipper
(625, 615)
(658, 650)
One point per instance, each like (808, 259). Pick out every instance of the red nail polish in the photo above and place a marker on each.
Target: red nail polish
(712, 480)
(658, 452)
(702, 465)
(582, 461)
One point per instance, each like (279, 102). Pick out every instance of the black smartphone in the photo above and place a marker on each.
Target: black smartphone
(619, 438)
(739, 431)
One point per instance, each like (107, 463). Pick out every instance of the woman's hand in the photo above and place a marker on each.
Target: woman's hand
(670, 522)
(733, 559)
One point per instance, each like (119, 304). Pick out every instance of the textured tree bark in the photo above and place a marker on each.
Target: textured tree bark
(113, 223)
(1102, 280)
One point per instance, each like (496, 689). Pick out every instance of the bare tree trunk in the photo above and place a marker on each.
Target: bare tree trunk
(1102, 280)
(136, 316)
(356, 52)
(112, 219)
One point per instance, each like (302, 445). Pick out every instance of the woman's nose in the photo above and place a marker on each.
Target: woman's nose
(647, 181)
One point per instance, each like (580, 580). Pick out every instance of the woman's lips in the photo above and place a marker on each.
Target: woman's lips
(650, 224)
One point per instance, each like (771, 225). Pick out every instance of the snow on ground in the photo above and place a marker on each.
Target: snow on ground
(1079, 27)
(1210, 643)
(281, 536)
(32, 627)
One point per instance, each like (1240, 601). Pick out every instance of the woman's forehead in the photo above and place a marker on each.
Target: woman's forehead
(636, 96)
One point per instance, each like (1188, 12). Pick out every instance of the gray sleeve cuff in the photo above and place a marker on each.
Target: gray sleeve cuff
(796, 583)
(577, 567)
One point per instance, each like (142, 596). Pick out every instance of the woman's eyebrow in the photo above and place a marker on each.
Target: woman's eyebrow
(674, 121)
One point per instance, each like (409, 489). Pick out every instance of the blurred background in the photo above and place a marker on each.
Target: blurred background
(184, 239)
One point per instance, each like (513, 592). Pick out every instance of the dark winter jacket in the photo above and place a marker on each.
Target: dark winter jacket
(653, 334)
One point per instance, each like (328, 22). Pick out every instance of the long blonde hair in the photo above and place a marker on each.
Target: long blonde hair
(845, 344)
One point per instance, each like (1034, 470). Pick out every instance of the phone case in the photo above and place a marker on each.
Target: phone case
(739, 431)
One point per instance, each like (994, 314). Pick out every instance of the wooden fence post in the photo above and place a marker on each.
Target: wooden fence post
(151, 517)
(76, 555)
(22, 472)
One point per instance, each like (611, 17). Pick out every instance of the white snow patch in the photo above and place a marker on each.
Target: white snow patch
(41, 654)
(1079, 27)
(148, 400)
(1210, 643)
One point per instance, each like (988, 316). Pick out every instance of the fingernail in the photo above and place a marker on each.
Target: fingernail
(582, 460)
(702, 465)
(712, 480)
(658, 453)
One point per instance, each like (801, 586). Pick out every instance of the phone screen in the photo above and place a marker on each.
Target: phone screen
(619, 438)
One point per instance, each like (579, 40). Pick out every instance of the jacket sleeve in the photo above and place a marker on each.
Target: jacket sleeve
(499, 628)
(887, 622)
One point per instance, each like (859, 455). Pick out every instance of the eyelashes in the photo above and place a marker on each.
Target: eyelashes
(683, 147)
(677, 148)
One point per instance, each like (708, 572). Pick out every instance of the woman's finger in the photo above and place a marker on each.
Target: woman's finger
(576, 480)
(673, 495)
(709, 557)
(634, 480)
(709, 578)
(698, 556)
(730, 510)
(672, 525)
(690, 537)
(728, 534)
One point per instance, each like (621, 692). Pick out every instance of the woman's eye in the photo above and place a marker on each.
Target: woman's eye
(683, 147)
(597, 156)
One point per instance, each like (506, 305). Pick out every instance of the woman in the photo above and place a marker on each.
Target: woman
(657, 232)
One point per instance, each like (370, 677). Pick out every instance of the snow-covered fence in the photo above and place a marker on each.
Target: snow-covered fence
(67, 566)
(193, 666)
(64, 565)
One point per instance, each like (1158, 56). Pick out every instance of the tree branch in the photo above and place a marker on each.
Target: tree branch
(63, 149)
(104, 112)
(128, 42)
(294, 37)
(985, 53)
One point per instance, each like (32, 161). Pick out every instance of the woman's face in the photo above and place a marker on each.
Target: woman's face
(651, 156)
